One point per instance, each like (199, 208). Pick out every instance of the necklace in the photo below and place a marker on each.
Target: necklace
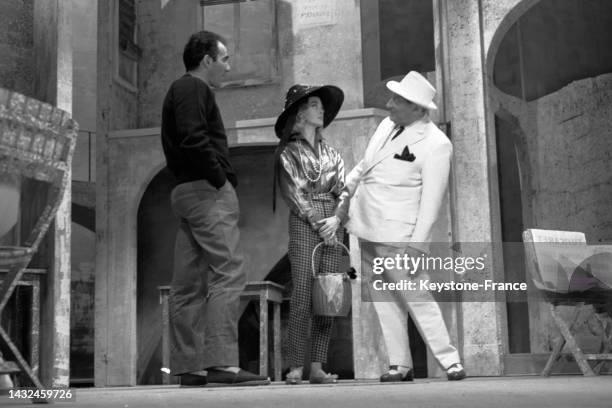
(315, 164)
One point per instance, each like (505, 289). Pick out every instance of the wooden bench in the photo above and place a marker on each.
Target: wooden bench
(264, 292)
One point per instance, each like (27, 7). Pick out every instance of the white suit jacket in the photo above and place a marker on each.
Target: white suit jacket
(395, 200)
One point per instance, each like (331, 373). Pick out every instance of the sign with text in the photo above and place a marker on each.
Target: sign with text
(312, 13)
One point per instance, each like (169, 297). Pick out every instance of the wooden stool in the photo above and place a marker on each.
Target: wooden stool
(264, 292)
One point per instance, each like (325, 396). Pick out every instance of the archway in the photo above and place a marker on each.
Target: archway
(82, 260)
(263, 235)
(550, 73)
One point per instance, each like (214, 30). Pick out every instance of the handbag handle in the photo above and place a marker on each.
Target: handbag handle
(314, 251)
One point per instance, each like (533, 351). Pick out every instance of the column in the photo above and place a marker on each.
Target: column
(53, 84)
(461, 55)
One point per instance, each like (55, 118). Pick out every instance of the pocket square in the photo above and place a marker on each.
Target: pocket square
(406, 155)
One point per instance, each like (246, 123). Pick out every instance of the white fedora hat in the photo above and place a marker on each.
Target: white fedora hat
(415, 88)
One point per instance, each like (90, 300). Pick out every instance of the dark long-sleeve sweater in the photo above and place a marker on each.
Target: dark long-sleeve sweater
(193, 135)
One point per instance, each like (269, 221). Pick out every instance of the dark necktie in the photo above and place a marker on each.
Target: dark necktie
(396, 131)
(399, 130)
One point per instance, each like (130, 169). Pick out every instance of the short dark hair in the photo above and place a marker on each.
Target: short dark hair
(200, 44)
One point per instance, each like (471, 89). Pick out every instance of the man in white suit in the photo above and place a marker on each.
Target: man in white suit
(397, 191)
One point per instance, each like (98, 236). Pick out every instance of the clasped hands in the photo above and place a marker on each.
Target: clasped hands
(327, 228)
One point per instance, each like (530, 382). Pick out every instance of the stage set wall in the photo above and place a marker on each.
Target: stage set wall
(346, 51)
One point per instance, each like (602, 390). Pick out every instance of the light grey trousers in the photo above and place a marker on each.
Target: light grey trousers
(393, 315)
(208, 278)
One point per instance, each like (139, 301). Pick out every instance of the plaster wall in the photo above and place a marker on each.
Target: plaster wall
(370, 49)
(568, 144)
(116, 109)
(574, 162)
(314, 54)
(564, 154)
(349, 133)
(16, 46)
(85, 47)
(117, 104)
(84, 43)
(53, 53)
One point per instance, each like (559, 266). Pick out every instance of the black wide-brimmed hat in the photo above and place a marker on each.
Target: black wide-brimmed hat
(331, 98)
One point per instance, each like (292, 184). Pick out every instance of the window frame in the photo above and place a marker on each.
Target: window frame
(273, 76)
(131, 52)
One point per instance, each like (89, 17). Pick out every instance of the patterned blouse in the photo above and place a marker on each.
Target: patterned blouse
(298, 188)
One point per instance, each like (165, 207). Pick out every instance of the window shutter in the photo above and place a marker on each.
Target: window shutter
(127, 28)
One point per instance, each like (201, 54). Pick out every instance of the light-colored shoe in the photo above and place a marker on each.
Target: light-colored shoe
(394, 375)
(294, 377)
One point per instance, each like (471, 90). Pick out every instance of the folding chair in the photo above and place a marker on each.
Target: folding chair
(36, 142)
(553, 259)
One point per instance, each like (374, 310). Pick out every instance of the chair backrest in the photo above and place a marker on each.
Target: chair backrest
(552, 256)
(37, 141)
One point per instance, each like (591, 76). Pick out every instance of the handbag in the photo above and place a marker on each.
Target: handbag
(331, 292)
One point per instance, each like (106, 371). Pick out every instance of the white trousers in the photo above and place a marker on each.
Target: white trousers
(393, 318)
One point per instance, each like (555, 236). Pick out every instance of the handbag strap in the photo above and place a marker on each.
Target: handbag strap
(314, 251)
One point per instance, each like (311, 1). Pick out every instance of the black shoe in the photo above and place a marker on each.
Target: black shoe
(241, 378)
(192, 380)
(455, 372)
(397, 377)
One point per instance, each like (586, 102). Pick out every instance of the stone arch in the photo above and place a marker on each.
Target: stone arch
(548, 46)
(498, 117)
(146, 182)
(501, 30)
(262, 235)
(500, 120)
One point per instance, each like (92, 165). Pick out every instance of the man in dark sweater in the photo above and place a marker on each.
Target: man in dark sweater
(208, 263)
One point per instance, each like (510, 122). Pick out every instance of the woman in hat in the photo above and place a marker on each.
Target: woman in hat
(310, 175)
